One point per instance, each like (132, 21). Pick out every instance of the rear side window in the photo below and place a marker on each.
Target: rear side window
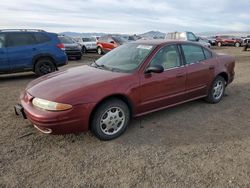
(41, 38)
(20, 39)
(103, 39)
(2, 40)
(193, 53)
(207, 53)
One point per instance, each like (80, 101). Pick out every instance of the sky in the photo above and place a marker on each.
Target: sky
(128, 16)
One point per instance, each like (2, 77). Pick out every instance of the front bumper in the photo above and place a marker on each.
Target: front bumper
(63, 122)
(19, 111)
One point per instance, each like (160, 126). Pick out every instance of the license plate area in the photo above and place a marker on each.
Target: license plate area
(19, 111)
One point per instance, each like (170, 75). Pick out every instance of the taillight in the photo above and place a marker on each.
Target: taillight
(61, 46)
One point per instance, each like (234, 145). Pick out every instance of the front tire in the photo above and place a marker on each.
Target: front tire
(110, 120)
(44, 66)
(217, 90)
(99, 50)
(84, 49)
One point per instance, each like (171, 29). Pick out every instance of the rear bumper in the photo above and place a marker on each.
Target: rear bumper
(73, 53)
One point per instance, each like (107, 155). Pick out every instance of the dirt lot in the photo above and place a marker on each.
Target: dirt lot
(192, 145)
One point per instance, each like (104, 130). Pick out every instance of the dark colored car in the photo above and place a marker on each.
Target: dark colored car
(30, 50)
(72, 48)
(228, 41)
(132, 80)
(107, 43)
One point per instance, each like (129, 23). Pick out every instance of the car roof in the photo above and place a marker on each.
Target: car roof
(159, 42)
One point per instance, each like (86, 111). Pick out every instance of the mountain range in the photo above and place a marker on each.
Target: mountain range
(158, 34)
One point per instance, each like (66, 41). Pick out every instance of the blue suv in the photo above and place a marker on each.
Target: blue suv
(30, 50)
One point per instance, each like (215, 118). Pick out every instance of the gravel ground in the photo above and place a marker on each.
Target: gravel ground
(191, 145)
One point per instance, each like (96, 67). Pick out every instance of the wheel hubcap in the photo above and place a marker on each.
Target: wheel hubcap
(112, 120)
(99, 51)
(218, 90)
(45, 68)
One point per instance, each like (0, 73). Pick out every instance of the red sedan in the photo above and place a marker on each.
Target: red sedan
(131, 80)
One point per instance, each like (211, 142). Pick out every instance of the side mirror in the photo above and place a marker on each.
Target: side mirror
(197, 38)
(155, 69)
(112, 42)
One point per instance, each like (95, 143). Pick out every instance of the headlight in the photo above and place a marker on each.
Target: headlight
(49, 105)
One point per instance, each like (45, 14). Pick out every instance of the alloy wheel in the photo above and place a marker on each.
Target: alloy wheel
(112, 120)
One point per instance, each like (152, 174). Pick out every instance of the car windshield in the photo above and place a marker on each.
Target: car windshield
(126, 58)
(66, 40)
(86, 39)
(119, 40)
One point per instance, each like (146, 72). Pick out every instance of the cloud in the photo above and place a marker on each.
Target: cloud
(129, 16)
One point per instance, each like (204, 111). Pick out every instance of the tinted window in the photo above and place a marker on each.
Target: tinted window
(207, 53)
(41, 38)
(119, 40)
(191, 36)
(66, 40)
(20, 39)
(192, 53)
(168, 57)
(86, 39)
(103, 39)
(93, 39)
(2, 40)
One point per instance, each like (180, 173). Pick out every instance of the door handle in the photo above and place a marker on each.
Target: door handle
(34, 49)
(211, 68)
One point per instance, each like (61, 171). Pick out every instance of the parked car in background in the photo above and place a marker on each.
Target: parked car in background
(30, 50)
(72, 48)
(212, 40)
(107, 43)
(88, 44)
(186, 36)
(246, 43)
(225, 40)
(132, 80)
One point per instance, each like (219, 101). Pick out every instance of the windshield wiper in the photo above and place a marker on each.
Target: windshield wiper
(94, 64)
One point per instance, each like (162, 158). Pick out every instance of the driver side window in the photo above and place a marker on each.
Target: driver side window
(168, 57)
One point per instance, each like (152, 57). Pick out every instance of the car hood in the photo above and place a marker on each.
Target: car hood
(65, 85)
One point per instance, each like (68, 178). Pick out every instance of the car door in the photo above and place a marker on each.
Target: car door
(21, 49)
(200, 70)
(4, 63)
(159, 90)
(93, 43)
(111, 43)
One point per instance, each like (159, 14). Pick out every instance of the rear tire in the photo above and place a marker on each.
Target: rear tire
(110, 120)
(99, 50)
(44, 66)
(217, 90)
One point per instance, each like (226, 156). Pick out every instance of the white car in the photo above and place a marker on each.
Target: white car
(88, 44)
(186, 36)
